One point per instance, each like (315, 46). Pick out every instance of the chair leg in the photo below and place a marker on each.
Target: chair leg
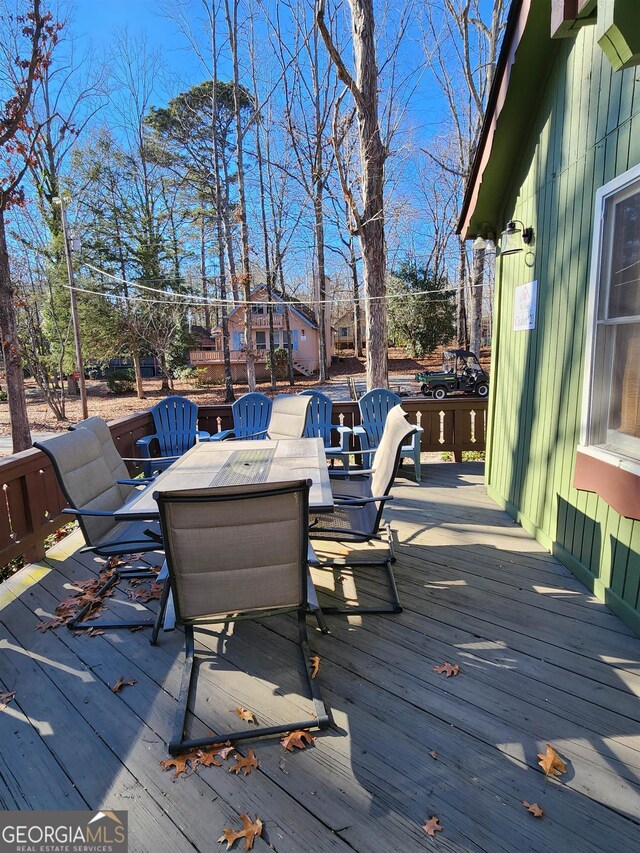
(180, 744)
(160, 615)
(77, 624)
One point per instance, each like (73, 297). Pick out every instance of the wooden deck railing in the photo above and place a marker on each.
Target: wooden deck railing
(33, 504)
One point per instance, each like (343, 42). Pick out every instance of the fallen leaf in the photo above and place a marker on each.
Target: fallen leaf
(432, 826)
(434, 754)
(449, 668)
(52, 623)
(250, 831)
(93, 632)
(300, 738)
(209, 756)
(180, 762)
(135, 628)
(534, 808)
(314, 660)
(247, 763)
(551, 762)
(249, 716)
(5, 698)
(120, 683)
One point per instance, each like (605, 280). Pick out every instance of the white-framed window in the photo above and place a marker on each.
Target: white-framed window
(261, 340)
(611, 407)
(343, 332)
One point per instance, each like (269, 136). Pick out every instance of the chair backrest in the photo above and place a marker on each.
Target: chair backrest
(175, 420)
(386, 459)
(110, 454)
(288, 416)
(85, 479)
(236, 549)
(319, 413)
(374, 407)
(251, 414)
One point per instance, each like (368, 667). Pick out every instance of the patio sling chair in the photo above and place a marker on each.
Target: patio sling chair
(237, 552)
(94, 496)
(374, 407)
(110, 454)
(319, 424)
(359, 499)
(175, 421)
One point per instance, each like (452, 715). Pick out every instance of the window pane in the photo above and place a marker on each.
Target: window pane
(624, 264)
(261, 340)
(623, 421)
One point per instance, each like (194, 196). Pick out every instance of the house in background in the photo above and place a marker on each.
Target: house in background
(344, 327)
(557, 171)
(304, 339)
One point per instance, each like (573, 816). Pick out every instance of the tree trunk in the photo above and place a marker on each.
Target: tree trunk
(461, 307)
(353, 266)
(372, 158)
(135, 357)
(322, 281)
(477, 287)
(20, 431)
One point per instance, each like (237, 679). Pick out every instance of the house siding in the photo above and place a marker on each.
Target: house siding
(586, 132)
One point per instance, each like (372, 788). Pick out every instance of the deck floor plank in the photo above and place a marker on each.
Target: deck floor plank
(542, 661)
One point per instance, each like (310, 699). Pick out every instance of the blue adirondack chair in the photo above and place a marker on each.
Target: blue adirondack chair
(251, 414)
(374, 408)
(319, 425)
(175, 420)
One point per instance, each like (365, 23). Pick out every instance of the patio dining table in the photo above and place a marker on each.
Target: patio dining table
(235, 463)
(231, 463)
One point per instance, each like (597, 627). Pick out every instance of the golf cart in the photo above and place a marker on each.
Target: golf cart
(461, 371)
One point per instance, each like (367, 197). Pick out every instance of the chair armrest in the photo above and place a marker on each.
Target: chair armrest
(338, 501)
(260, 433)
(221, 436)
(142, 481)
(203, 435)
(145, 445)
(99, 513)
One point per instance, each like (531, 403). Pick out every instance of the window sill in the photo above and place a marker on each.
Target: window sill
(615, 479)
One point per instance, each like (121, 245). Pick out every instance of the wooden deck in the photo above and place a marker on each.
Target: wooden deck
(541, 661)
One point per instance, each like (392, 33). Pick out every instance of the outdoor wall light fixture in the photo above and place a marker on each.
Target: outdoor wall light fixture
(512, 236)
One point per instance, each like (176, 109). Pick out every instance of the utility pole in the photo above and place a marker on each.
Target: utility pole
(74, 310)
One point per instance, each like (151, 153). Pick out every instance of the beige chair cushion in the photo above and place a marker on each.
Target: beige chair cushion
(288, 416)
(235, 555)
(110, 454)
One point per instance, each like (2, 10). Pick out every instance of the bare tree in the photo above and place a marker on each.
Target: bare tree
(369, 217)
(26, 41)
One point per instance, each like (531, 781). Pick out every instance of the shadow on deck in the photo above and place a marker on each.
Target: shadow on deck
(541, 661)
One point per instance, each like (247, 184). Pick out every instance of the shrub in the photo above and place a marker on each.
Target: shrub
(185, 372)
(281, 358)
(3, 396)
(121, 381)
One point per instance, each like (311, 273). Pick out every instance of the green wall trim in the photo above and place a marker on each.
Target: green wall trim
(613, 601)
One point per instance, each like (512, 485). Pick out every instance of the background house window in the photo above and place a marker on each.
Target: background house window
(614, 406)
(343, 331)
(261, 340)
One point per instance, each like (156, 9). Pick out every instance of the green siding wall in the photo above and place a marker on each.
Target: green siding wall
(587, 131)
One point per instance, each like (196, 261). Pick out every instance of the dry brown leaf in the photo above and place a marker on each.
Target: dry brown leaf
(5, 698)
(250, 831)
(247, 763)
(121, 682)
(180, 762)
(534, 808)
(52, 623)
(432, 826)
(208, 756)
(448, 668)
(434, 754)
(551, 762)
(249, 716)
(135, 628)
(314, 660)
(300, 738)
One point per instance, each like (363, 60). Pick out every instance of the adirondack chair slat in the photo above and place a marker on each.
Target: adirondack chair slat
(175, 421)
(374, 407)
(319, 425)
(251, 414)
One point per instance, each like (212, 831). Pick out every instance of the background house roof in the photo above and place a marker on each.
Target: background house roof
(305, 314)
